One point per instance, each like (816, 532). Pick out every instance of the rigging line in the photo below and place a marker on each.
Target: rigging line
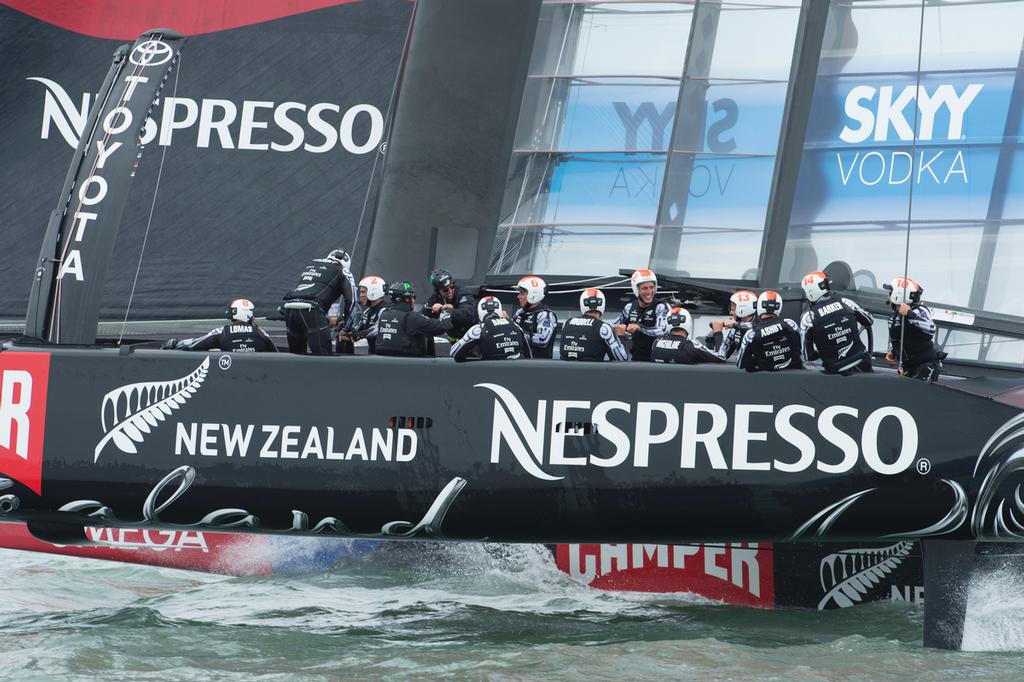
(156, 190)
(910, 200)
(55, 315)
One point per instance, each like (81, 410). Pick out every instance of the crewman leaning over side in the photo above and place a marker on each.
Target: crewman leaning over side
(537, 321)
(494, 337)
(678, 347)
(911, 332)
(588, 338)
(372, 299)
(240, 335)
(742, 311)
(830, 330)
(773, 343)
(404, 331)
(643, 318)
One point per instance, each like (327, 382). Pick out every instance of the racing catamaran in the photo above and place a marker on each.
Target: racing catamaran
(543, 451)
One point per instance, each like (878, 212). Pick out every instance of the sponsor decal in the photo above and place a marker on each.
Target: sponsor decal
(293, 441)
(177, 483)
(882, 115)
(849, 576)
(738, 573)
(254, 125)
(698, 435)
(24, 379)
(129, 413)
(148, 538)
(999, 506)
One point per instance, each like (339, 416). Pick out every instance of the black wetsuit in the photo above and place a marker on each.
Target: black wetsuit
(653, 321)
(404, 331)
(920, 359)
(234, 337)
(320, 285)
(539, 323)
(495, 339)
(679, 350)
(463, 311)
(830, 331)
(365, 326)
(772, 344)
(590, 339)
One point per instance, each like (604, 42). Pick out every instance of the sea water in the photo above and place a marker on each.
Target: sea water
(461, 611)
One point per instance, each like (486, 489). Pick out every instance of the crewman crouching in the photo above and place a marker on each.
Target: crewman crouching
(773, 343)
(240, 335)
(588, 338)
(371, 296)
(911, 332)
(496, 337)
(677, 347)
(404, 331)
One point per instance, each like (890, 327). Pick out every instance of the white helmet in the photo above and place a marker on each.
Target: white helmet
(815, 285)
(341, 257)
(904, 290)
(769, 303)
(241, 310)
(592, 300)
(488, 305)
(745, 302)
(534, 287)
(679, 318)
(374, 287)
(639, 277)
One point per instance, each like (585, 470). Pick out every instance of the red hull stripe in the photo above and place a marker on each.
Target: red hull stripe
(120, 20)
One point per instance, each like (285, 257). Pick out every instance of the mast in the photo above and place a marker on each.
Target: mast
(66, 293)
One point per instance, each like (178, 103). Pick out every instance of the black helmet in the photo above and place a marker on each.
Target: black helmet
(401, 291)
(441, 279)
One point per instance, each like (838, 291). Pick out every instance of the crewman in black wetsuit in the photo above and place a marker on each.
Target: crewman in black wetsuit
(677, 348)
(371, 295)
(830, 328)
(404, 331)
(447, 296)
(588, 338)
(773, 343)
(240, 335)
(305, 307)
(911, 332)
(643, 318)
(742, 309)
(534, 317)
(495, 336)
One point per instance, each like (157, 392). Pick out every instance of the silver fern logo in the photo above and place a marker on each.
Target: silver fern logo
(129, 413)
(848, 575)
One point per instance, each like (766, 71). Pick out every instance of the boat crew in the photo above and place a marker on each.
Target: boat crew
(643, 318)
(588, 338)
(240, 335)
(534, 317)
(494, 337)
(371, 297)
(449, 297)
(677, 347)
(404, 331)
(911, 332)
(742, 311)
(305, 307)
(773, 343)
(831, 328)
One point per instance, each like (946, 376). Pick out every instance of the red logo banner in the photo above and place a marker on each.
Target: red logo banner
(24, 378)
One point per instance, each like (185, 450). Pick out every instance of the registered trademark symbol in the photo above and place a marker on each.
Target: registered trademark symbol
(224, 362)
(923, 466)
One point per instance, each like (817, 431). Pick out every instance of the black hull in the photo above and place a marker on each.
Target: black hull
(452, 450)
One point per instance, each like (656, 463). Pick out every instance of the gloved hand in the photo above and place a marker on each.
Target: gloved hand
(169, 344)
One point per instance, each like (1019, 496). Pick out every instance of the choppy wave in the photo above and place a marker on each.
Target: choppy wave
(428, 610)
